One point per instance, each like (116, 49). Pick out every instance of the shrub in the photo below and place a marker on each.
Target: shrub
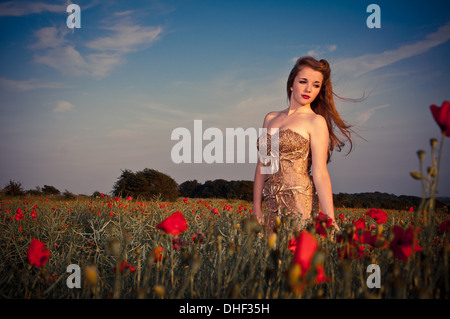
(50, 190)
(13, 189)
(147, 184)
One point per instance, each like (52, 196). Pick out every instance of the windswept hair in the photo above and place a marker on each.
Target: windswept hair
(323, 104)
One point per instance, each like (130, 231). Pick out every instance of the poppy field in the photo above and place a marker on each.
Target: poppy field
(214, 248)
(112, 247)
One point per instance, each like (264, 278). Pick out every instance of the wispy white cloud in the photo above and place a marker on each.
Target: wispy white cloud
(32, 84)
(319, 50)
(96, 58)
(22, 8)
(63, 106)
(126, 38)
(166, 111)
(363, 64)
(332, 47)
(363, 117)
(65, 59)
(49, 37)
(124, 13)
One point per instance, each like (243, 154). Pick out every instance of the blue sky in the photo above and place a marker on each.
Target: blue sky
(78, 106)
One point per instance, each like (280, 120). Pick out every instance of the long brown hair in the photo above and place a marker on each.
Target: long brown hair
(323, 104)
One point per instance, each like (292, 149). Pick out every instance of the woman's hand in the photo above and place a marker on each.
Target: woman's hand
(257, 212)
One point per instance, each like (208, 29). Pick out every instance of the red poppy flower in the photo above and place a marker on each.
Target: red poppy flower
(37, 254)
(321, 276)
(175, 224)
(292, 244)
(360, 224)
(158, 252)
(198, 238)
(124, 264)
(442, 116)
(377, 214)
(306, 248)
(322, 222)
(368, 238)
(177, 243)
(444, 227)
(402, 244)
(353, 244)
(348, 251)
(19, 214)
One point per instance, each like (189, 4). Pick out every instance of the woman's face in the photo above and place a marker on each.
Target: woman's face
(306, 86)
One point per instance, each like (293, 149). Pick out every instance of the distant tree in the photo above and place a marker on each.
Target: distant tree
(245, 190)
(34, 192)
(218, 188)
(13, 189)
(188, 188)
(50, 190)
(96, 194)
(159, 184)
(147, 184)
(240, 190)
(212, 189)
(68, 195)
(128, 184)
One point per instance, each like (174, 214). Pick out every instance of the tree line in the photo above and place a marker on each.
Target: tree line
(149, 184)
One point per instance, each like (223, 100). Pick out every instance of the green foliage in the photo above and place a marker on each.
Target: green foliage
(146, 184)
(218, 188)
(381, 201)
(188, 188)
(243, 190)
(50, 190)
(96, 194)
(34, 192)
(13, 189)
(68, 195)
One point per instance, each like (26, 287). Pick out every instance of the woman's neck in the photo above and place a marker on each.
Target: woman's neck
(299, 109)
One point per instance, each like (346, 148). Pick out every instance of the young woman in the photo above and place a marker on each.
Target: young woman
(305, 137)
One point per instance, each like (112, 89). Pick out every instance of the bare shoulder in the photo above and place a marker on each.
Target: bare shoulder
(318, 127)
(318, 123)
(269, 117)
(272, 114)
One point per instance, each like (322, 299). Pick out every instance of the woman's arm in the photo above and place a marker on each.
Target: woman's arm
(319, 141)
(257, 192)
(258, 184)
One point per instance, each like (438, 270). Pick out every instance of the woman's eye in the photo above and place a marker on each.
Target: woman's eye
(302, 82)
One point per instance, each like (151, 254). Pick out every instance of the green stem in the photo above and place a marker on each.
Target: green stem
(434, 186)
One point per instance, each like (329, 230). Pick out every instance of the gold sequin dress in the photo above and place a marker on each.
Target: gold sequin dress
(290, 190)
